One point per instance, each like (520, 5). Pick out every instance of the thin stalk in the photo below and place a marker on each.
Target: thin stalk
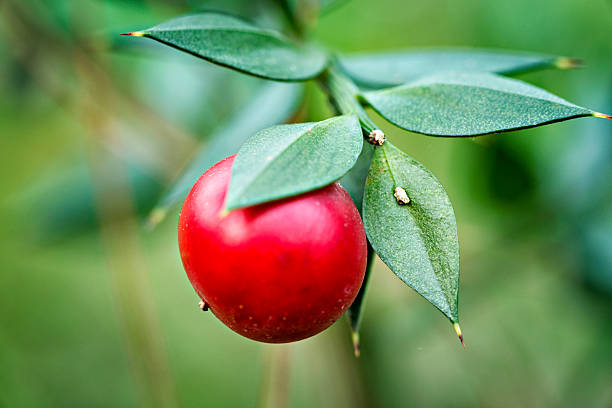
(343, 94)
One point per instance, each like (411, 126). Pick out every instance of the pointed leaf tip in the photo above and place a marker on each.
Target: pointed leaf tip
(134, 34)
(459, 333)
(156, 216)
(356, 345)
(569, 63)
(602, 115)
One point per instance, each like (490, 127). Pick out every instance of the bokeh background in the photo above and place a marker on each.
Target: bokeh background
(95, 309)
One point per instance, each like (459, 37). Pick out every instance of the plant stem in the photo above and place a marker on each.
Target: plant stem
(343, 94)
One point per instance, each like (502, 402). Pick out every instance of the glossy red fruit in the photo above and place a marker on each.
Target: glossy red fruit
(276, 272)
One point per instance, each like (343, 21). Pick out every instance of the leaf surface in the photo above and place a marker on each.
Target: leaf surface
(237, 44)
(382, 70)
(467, 104)
(418, 241)
(287, 160)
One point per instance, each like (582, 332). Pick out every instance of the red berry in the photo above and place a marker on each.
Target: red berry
(276, 272)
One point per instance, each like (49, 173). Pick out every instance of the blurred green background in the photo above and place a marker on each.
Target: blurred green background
(95, 310)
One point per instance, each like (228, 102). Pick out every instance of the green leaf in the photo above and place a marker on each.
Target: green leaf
(462, 104)
(287, 160)
(382, 70)
(417, 241)
(280, 99)
(237, 44)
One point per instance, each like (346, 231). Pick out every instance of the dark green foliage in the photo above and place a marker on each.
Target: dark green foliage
(439, 92)
(287, 160)
(236, 44)
(385, 69)
(467, 104)
(418, 241)
(532, 208)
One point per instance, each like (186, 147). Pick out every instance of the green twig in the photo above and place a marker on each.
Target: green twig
(343, 94)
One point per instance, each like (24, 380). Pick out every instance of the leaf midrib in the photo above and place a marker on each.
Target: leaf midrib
(270, 162)
(421, 239)
(249, 30)
(410, 87)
